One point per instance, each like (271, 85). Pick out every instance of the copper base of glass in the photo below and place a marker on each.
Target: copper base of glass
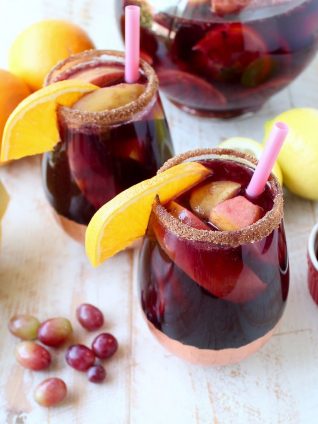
(208, 356)
(77, 231)
(74, 230)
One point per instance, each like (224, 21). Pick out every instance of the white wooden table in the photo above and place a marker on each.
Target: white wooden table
(45, 273)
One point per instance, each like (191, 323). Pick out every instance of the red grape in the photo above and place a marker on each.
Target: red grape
(89, 317)
(50, 392)
(55, 331)
(80, 357)
(104, 345)
(96, 373)
(24, 326)
(33, 356)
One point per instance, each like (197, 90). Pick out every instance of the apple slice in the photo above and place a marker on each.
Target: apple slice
(235, 214)
(185, 216)
(227, 50)
(205, 198)
(100, 75)
(220, 271)
(109, 98)
(185, 88)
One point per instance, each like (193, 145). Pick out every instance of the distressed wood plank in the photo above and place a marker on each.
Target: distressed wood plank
(45, 273)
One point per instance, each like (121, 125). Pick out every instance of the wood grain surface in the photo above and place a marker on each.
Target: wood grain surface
(45, 273)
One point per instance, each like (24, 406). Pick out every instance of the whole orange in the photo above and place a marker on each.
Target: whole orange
(12, 90)
(42, 45)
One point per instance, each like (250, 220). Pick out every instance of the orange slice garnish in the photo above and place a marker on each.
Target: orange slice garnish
(124, 219)
(32, 126)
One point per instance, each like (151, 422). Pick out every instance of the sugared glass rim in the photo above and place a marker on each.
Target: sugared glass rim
(253, 233)
(90, 58)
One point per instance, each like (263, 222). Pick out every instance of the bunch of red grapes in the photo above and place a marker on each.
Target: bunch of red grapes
(54, 333)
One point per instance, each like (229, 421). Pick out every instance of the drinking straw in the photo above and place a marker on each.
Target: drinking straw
(132, 43)
(267, 160)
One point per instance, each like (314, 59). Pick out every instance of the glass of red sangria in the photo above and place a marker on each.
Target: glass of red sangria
(214, 271)
(225, 58)
(111, 138)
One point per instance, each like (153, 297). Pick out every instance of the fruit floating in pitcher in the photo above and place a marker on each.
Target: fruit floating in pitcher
(224, 58)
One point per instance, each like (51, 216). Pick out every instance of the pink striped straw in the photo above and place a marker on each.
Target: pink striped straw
(132, 43)
(267, 160)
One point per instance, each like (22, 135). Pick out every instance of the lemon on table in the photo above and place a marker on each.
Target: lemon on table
(298, 158)
(32, 126)
(4, 200)
(42, 45)
(124, 219)
(251, 147)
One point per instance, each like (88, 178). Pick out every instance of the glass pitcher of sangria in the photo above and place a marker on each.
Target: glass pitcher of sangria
(225, 58)
(111, 138)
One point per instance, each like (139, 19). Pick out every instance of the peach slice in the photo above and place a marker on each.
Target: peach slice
(185, 216)
(100, 75)
(235, 214)
(206, 197)
(109, 98)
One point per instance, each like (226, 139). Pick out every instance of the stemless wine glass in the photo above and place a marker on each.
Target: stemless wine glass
(224, 58)
(209, 296)
(103, 153)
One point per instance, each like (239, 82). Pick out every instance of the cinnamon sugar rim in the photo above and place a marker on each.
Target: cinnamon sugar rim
(253, 233)
(89, 59)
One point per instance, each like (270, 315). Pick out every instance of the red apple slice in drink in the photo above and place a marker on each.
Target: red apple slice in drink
(235, 214)
(190, 90)
(109, 98)
(205, 198)
(227, 50)
(93, 173)
(185, 216)
(220, 271)
(102, 75)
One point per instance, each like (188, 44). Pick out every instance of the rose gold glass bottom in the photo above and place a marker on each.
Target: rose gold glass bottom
(77, 231)
(208, 356)
(74, 230)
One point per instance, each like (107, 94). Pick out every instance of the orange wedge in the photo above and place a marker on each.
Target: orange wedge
(32, 126)
(124, 219)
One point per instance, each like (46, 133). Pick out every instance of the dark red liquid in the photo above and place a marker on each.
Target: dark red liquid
(211, 296)
(227, 66)
(93, 164)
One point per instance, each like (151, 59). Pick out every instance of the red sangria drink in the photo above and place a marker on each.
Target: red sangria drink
(225, 58)
(214, 270)
(111, 139)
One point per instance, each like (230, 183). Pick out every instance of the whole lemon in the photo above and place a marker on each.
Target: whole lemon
(298, 158)
(42, 45)
(12, 90)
